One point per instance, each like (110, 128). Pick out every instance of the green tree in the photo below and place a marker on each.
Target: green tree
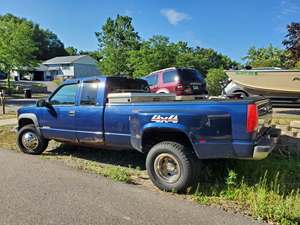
(267, 57)
(71, 50)
(185, 56)
(47, 43)
(292, 42)
(154, 54)
(204, 59)
(116, 39)
(158, 53)
(213, 79)
(16, 46)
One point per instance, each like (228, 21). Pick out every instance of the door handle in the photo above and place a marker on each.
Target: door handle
(72, 113)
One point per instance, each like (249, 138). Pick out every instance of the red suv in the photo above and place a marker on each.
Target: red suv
(181, 81)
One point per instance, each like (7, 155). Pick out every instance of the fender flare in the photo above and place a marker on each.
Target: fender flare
(180, 129)
(30, 116)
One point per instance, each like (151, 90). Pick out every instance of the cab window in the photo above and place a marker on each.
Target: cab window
(89, 92)
(66, 95)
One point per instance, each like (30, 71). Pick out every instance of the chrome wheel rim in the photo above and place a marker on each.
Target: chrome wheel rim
(30, 141)
(167, 168)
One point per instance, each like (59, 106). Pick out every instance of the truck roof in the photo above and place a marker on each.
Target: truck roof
(102, 77)
(75, 80)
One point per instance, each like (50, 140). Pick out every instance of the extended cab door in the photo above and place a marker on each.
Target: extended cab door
(89, 113)
(58, 121)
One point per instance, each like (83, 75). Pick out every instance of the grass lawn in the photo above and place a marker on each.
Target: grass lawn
(267, 190)
(9, 115)
(284, 120)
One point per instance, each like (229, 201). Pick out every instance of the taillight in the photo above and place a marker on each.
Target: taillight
(183, 89)
(179, 89)
(252, 118)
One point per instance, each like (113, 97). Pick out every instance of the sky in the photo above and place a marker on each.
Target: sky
(230, 27)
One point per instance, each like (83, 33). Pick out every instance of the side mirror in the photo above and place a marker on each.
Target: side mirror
(42, 103)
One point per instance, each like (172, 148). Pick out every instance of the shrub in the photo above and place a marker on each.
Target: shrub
(213, 79)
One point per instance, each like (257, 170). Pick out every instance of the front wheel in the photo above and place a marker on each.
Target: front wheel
(171, 166)
(30, 141)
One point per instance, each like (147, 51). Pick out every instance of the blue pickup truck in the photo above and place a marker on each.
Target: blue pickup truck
(120, 113)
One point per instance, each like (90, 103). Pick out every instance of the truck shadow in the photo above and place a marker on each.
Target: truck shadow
(281, 167)
(125, 158)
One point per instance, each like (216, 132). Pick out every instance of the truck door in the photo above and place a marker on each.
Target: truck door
(89, 113)
(58, 121)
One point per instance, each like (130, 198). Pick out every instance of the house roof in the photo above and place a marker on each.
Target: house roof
(64, 59)
(41, 67)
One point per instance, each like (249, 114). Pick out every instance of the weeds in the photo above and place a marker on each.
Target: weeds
(8, 137)
(116, 173)
(265, 200)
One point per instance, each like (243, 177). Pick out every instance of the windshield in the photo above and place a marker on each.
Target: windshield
(190, 75)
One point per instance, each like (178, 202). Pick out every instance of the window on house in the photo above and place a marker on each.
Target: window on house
(65, 66)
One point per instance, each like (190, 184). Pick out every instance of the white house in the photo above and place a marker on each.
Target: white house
(71, 67)
(63, 67)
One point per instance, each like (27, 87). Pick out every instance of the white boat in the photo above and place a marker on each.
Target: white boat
(273, 82)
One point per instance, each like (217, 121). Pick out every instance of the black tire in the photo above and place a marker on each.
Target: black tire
(41, 143)
(186, 160)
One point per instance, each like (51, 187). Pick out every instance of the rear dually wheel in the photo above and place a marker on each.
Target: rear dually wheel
(171, 166)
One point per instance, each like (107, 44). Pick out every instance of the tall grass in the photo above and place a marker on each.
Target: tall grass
(265, 194)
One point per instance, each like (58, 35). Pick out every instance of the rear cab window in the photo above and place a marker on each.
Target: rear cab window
(123, 84)
(89, 92)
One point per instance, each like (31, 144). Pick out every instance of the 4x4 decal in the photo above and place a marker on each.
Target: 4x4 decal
(164, 119)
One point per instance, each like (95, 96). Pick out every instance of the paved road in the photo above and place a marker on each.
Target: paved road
(35, 191)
